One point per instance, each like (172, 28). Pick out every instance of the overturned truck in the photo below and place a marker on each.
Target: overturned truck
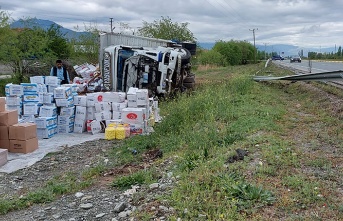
(159, 65)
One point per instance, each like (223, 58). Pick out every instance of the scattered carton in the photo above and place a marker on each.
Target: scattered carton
(3, 156)
(23, 146)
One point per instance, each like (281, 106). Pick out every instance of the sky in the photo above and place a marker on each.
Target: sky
(302, 23)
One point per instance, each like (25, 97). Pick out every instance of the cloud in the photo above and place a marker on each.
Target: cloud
(298, 22)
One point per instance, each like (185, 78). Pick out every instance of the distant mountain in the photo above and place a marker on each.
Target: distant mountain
(45, 25)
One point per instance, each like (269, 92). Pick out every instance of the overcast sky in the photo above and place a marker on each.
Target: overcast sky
(303, 23)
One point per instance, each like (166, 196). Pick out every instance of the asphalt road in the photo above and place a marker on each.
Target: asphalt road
(317, 66)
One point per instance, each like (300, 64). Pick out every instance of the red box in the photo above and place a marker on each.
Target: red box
(2, 104)
(4, 132)
(22, 131)
(5, 144)
(8, 117)
(23, 146)
(3, 156)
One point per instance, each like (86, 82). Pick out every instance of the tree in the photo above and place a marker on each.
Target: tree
(57, 43)
(165, 28)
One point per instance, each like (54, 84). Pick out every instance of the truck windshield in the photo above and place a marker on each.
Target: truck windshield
(123, 54)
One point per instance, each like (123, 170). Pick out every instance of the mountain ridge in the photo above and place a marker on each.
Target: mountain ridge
(282, 49)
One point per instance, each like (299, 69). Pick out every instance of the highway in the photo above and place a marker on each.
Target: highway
(317, 66)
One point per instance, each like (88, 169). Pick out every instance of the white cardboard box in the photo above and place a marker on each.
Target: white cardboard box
(37, 79)
(90, 113)
(47, 111)
(80, 113)
(142, 97)
(62, 92)
(62, 129)
(119, 106)
(45, 133)
(64, 102)
(14, 100)
(65, 120)
(29, 88)
(102, 106)
(30, 108)
(80, 101)
(133, 115)
(79, 126)
(104, 115)
(52, 80)
(45, 122)
(67, 111)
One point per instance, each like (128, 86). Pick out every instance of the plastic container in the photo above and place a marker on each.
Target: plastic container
(120, 132)
(110, 133)
(127, 130)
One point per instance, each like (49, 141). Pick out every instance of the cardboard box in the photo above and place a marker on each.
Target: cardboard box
(90, 113)
(8, 117)
(62, 129)
(119, 106)
(81, 113)
(2, 104)
(46, 133)
(14, 90)
(142, 97)
(28, 119)
(19, 108)
(45, 122)
(102, 106)
(133, 115)
(5, 143)
(3, 157)
(52, 80)
(32, 97)
(30, 108)
(23, 146)
(65, 120)
(67, 111)
(79, 126)
(4, 133)
(62, 92)
(48, 111)
(90, 100)
(22, 131)
(103, 115)
(131, 100)
(13, 100)
(64, 102)
(48, 98)
(37, 80)
(29, 88)
(80, 101)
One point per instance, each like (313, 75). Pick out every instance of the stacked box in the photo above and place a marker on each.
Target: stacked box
(48, 111)
(14, 90)
(80, 119)
(46, 133)
(3, 157)
(23, 138)
(45, 122)
(65, 123)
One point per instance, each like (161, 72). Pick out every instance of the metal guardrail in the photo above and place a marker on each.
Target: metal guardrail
(323, 76)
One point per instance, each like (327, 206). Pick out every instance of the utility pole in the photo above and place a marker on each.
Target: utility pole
(253, 32)
(111, 21)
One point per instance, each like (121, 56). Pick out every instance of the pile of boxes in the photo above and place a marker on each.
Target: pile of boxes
(56, 108)
(15, 137)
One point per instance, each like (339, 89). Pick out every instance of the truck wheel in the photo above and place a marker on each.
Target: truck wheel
(189, 81)
(186, 57)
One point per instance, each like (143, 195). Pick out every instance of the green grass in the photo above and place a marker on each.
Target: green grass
(293, 139)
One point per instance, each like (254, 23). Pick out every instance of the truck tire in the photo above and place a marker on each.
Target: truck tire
(189, 81)
(186, 57)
